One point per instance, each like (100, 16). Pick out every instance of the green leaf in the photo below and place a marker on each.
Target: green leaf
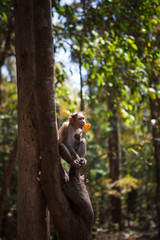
(4, 15)
(152, 93)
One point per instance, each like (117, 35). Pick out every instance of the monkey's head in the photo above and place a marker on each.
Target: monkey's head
(77, 120)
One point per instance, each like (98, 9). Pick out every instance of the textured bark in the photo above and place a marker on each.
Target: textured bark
(115, 161)
(155, 114)
(68, 202)
(7, 178)
(32, 213)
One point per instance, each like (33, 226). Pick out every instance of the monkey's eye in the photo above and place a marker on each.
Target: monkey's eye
(81, 118)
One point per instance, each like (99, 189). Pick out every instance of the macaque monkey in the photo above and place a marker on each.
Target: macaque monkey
(72, 146)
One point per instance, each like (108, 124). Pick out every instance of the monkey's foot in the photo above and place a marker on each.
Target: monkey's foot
(74, 172)
(76, 164)
(83, 161)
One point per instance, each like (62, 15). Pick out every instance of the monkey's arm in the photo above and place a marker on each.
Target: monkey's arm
(82, 148)
(72, 151)
(73, 160)
(62, 132)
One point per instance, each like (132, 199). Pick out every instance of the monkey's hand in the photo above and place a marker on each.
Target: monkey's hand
(77, 137)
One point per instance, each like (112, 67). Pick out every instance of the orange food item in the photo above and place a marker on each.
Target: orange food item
(86, 127)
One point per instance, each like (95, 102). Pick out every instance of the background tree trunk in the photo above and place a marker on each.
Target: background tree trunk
(7, 41)
(115, 162)
(81, 80)
(82, 103)
(32, 213)
(155, 115)
(7, 178)
(1, 80)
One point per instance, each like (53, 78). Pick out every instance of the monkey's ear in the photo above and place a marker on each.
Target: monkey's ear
(70, 119)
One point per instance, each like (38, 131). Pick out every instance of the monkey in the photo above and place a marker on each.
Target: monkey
(72, 146)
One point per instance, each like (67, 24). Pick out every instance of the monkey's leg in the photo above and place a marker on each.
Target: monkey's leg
(74, 172)
(82, 148)
(81, 151)
(65, 153)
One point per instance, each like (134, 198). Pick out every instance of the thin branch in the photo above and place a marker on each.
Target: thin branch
(91, 163)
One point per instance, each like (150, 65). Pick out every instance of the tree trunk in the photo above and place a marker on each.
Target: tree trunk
(155, 114)
(115, 162)
(7, 178)
(68, 202)
(7, 44)
(1, 86)
(81, 80)
(32, 213)
(82, 104)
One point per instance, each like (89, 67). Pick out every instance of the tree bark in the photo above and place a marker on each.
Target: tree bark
(155, 114)
(68, 202)
(33, 219)
(7, 178)
(115, 162)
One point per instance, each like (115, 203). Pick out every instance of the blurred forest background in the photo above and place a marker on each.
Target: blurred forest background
(114, 45)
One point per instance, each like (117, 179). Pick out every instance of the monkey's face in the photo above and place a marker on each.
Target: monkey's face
(79, 121)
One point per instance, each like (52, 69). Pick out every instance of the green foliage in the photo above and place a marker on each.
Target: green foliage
(6, 16)
(66, 98)
(8, 117)
(8, 133)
